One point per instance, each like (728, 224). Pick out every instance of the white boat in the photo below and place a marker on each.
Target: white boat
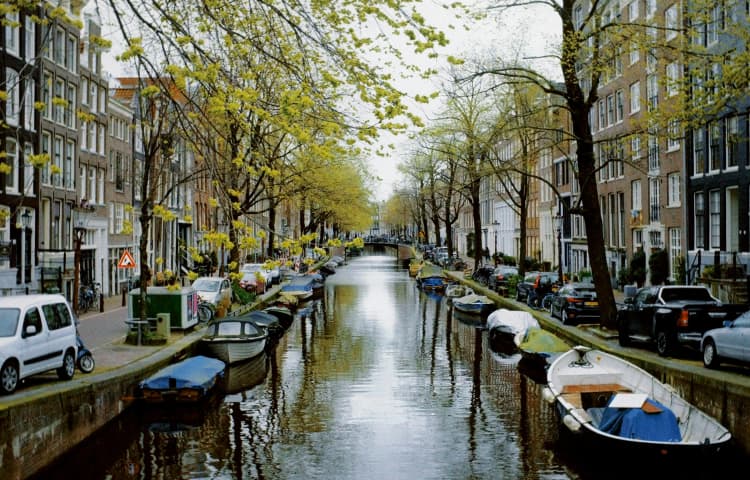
(619, 407)
(504, 324)
(233, 339)
(474, 304)
(455, 290)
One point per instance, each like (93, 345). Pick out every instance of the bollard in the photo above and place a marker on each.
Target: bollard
(124, 294)
(101, 302)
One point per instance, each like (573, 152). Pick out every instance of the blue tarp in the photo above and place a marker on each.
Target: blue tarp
(194, 372)
(637, 424)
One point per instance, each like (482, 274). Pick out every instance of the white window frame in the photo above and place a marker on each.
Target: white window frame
(12, 152)
(30, 39)
(635, 147)
(674, 188)
(12, 34)
(636, 195)
(633, 10)
(635, 97)
(673, 78)
(671, 22)
(673, 136)
(13, 102)
(29, 97)
(714, 211)
(699, 219)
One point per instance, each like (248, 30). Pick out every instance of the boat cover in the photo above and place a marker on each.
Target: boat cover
(511, 322)
(432, 282)
(301, 283)
(193, 372)
(541, 341)
(638, 424)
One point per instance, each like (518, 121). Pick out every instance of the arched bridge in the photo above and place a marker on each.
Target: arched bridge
(403, 251)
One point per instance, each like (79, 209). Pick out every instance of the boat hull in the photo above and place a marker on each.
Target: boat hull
(234, 350)
(611, 403)
(190, 380)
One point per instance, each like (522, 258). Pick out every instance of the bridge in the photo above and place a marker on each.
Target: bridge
(403, 251)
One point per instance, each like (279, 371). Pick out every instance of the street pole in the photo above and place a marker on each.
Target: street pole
(559, 249)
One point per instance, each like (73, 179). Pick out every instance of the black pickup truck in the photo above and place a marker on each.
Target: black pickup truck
(672, 316)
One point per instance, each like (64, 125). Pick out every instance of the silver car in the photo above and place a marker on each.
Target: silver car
(213, 289)
(728, 343)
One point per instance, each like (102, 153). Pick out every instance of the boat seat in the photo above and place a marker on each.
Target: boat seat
(594, 387)
(572, 398)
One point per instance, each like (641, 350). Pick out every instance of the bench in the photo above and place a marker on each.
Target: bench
(594, 388)
(591, 395)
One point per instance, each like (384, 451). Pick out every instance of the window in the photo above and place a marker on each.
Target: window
(47, 96)
(635, 147)
(733, 142)
(13, 102)
(673, 136)
(714, 151)
(92, 137)
(633, 10)
(635, 97)
(29, 39)
(11, 160)
(70, 108)
(699, 154)
(654, 162)
(618, 106)
(715, 23)
(635, 195)
(28, 170)
(46, 149)
(602, 115)
(70, 155)
(59, 101)
(60, 46)
(654, 196)
(673, 189)
(118, 173)
(84, 135)
(578, 16)
(93, 96)
(670, 22)
(650, 8)
(652, 92)
(92, 184)
(673, 78)
(714, 209)
(57, 162)
(71, 52)
(28, 104)
(12, 33)
(100, 144)
(700, 220)
(84, 91)
(635, 53)
(637, 239)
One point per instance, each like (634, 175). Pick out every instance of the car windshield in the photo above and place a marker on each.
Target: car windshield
(251, 267)
(8, 321)
(677, 294)
(207, 285)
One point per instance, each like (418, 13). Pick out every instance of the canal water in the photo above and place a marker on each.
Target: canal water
(377, 381)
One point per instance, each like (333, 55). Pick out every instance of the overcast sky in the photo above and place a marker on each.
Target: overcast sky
(531, 29)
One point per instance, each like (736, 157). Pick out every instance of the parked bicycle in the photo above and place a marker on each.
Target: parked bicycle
(206, 311)
(88, 298)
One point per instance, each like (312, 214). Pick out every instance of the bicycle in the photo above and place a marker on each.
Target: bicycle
(206, 312)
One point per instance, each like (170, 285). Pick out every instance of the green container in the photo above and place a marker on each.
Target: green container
(181, 305)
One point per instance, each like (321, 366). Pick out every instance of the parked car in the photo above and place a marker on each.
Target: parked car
(575, 303)
(37, 334)
(253, 283)
(730, 343)
(258, 267)
(672, 316)
(213, 290)
(499, 277)
(535, 285)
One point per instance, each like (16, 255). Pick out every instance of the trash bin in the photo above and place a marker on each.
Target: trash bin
(181, 305)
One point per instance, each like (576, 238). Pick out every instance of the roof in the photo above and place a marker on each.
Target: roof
(23, 301)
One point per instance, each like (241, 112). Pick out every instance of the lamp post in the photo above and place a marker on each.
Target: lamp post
(558, 226)
(80, 220)
(25, 224)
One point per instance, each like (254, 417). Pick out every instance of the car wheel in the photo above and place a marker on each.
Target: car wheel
(68, 368)
(86, 363)
(710, 357)
(9, 378)
(664, 343)
(622, 334)
(564, 315)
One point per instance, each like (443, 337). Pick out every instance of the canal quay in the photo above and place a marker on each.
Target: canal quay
(377, 380)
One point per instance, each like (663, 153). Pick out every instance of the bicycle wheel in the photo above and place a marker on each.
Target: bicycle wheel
(205, 313)
(547, 302)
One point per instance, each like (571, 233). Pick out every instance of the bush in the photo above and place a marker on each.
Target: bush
(658, 265)
(623, 277)
(242, 296)
(638, 268)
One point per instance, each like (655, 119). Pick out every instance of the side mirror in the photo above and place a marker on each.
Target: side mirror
(30, 330)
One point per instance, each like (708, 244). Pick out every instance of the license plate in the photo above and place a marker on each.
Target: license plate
(591, 304)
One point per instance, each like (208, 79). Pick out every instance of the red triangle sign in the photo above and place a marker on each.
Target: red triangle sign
(126, 261)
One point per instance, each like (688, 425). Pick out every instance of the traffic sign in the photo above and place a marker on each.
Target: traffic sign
(126, 260)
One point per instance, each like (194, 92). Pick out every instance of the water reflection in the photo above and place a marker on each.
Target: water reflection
(377, 380)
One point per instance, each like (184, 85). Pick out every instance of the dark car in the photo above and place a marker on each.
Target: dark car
(500, 275)
(575, 303)
(535, 285)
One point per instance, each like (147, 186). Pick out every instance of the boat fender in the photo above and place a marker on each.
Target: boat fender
(572, 424)
(548, 396)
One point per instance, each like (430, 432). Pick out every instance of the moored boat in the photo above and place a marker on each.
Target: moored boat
(233, 339)
(300, 286)
(283, 314)
(620, 407)
(503, 325)
(190, 380)
(455, 290)
(431, 277)
(539, 348)
(474, 304)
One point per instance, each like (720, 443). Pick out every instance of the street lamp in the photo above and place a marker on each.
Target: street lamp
(80, 221)
(558, 226)
(25, 225)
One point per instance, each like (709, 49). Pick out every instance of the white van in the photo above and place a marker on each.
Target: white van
(37, 334)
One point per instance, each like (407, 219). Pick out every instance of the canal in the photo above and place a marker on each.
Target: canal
(376, 381)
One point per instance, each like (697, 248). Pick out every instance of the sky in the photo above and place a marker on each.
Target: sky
(530, 28)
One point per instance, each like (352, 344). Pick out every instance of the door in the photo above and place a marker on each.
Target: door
(33, 353)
